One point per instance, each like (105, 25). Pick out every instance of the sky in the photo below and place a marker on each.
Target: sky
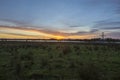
(60, 19)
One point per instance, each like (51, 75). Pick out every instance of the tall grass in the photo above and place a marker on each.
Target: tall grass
(59, 61)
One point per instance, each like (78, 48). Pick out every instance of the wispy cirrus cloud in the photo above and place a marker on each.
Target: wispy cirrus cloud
(117, 10)
(110, 27)
(14, 22)
(107, 25)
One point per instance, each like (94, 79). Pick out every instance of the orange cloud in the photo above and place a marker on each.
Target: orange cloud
(22, 32)
(17, 32)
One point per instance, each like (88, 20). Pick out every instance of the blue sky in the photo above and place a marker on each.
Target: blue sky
(68, 17)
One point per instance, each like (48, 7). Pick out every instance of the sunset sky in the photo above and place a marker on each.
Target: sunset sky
(69, 19)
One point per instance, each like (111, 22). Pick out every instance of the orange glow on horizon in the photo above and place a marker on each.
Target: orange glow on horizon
(11, 32)
(59, 37)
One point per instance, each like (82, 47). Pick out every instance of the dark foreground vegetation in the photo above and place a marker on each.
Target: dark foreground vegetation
(59, 61)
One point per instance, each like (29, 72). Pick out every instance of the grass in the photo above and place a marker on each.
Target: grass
(59, 61)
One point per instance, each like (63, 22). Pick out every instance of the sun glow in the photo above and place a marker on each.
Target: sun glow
(59, 37)
(11, 32)
(27, 33)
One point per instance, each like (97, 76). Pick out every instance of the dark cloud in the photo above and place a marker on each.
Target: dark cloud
(107, 25)
(74, 26)
(92, 31)
(80, 33)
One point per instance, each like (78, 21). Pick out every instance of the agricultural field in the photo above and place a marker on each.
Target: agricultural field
(59, 61)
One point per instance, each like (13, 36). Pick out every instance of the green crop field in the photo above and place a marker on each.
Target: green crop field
(59, 61)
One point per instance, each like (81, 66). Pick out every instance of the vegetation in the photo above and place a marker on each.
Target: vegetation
(59, 61)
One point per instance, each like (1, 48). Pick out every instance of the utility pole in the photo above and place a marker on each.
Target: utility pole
(103, 35)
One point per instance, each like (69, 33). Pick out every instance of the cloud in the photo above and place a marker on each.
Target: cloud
(15, 22)
(71, 24)
(113, 22)
(108, 25)
(74, 26)
(118, 6)
(17, 34)
(107, 22)
(111, 28)
(33, 32)
(27, 29)
(91, 32)
(114, 35)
